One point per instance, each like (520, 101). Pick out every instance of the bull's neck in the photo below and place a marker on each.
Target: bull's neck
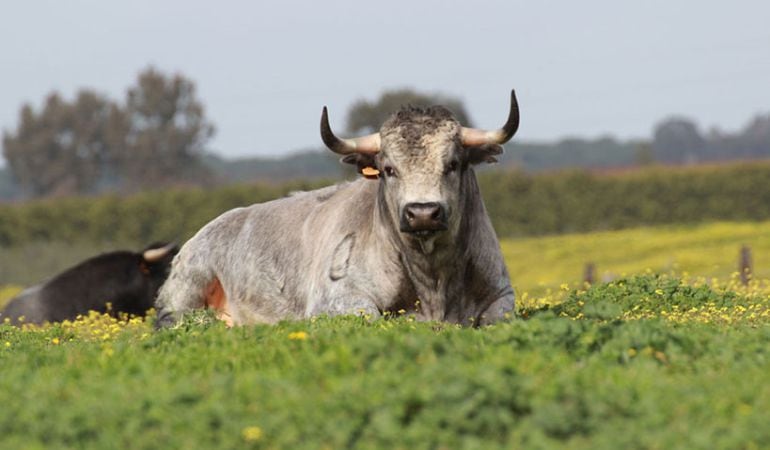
(437, 269)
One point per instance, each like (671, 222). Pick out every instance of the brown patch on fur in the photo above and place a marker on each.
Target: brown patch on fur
(216, 300)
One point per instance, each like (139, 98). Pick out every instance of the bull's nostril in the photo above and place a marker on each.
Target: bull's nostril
(423, 217)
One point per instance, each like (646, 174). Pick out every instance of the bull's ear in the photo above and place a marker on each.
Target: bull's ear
(484, 153)
(364, 164)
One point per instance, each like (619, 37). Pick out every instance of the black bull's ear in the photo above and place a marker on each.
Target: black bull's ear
(362, 161)
(484, 153)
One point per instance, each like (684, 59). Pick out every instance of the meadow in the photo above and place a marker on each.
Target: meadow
(708, 251)
(670, 352)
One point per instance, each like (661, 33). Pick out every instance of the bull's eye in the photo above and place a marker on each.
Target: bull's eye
(451, 167)
(389, 171)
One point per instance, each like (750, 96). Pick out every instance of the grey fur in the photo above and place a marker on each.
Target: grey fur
(338, 250)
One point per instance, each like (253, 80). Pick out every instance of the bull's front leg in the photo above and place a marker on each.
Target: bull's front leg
(503, 300)
(500, 309)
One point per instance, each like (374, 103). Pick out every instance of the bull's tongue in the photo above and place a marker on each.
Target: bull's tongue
(427, 243)
(424, 240)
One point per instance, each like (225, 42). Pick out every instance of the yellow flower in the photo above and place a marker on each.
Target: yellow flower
(7, 344)
(251, 434)
(55, 341)
(298, 336)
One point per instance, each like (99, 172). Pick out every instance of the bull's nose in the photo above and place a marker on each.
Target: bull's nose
(423, 217)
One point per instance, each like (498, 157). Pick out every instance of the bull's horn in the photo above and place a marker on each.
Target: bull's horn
(365, 144)
(156, 254)
(474, 137)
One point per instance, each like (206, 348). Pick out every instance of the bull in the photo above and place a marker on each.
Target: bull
(412, 234)
(115, 282)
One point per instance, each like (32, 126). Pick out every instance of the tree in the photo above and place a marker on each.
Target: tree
(367, 117)
(678, 140)
(167, 132)
(643, 155)
(62, 149)
(92, 144)
(755, 137)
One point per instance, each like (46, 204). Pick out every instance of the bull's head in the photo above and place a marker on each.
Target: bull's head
(423, 159)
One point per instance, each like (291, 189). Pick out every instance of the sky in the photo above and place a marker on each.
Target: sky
(264, 69)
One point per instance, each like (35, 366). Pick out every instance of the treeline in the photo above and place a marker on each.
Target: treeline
(92, 144)
(680, 140)
(157, 136)
(519, 204)
(603, 152)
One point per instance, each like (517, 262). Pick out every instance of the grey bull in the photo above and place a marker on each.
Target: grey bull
(411, 234)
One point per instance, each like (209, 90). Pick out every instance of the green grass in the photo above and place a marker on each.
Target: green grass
(591, 373)
(645, 362)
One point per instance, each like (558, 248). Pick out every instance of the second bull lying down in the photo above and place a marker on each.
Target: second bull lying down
(115, 282)
(414, 227)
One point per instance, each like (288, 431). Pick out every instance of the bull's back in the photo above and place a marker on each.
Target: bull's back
(263, 262)
(287, 230)
(269, 257)
(25, 308)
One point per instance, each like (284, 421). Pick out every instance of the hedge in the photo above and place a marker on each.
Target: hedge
(519, 204)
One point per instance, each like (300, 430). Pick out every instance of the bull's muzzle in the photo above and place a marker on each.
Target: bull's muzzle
(423, 218)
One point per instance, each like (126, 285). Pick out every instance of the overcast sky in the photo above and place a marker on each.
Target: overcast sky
(264, 69)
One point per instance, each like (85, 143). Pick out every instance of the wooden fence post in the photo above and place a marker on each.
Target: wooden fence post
(744, 265)
(589, 273)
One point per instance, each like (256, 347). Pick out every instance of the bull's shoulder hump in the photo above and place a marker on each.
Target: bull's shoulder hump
(348, 204)
(320, 199)
(358, 190)
(229, 222)
(318, 195)
(315, 197)
(332, 203)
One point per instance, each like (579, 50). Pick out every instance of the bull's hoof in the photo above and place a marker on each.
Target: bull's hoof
(165, 319)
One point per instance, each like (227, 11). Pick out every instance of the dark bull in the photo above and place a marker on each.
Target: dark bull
(128, 281)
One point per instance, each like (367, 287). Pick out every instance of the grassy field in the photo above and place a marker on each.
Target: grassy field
(645, 361)
(707, 251)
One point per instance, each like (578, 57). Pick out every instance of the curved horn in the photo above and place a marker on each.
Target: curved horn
(156, 254)
(369, 144)
(475, 137)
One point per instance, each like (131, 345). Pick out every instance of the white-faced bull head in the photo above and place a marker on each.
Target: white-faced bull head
(423, 158)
